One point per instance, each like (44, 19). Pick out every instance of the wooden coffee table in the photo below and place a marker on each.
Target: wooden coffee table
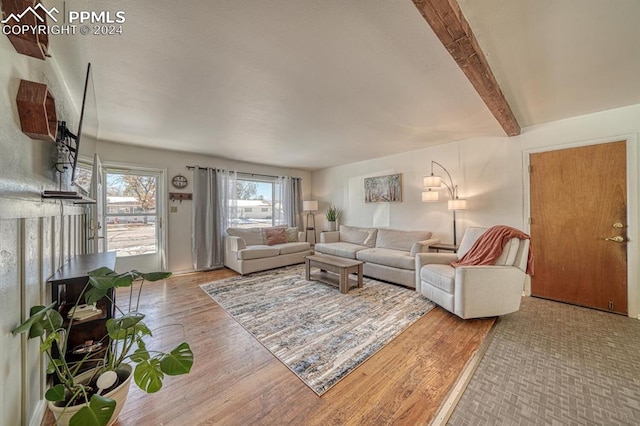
(334, 270)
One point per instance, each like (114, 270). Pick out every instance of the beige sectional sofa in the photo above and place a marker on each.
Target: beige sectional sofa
(249, 250)
(388, 254)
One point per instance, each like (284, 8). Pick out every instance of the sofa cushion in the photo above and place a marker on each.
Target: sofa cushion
(370, 241)
(289, 248)
(258, 252)
(400, 240)
(251, 236)
(329, 236)
(440, 276)
(292, 234)
(275, 236)
(392, 258)
(356, 235)
(341, 249)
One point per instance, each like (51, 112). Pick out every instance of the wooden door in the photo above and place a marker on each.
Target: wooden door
(578, 199)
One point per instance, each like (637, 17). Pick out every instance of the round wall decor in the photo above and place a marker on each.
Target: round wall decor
(179, 181)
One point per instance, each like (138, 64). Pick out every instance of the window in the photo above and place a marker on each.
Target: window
(131, 213)
(254, 201)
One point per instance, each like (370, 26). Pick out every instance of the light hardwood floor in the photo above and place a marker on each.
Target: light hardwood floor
(236, 381)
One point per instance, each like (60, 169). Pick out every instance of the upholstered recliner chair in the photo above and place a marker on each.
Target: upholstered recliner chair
(474, 291)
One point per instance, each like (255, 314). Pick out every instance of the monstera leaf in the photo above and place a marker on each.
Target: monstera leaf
(178, 361)
(148, 375)
(149, 372)
(97, 413)
(41, 319)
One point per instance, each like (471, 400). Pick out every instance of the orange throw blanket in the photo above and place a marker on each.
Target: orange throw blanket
(488, 247)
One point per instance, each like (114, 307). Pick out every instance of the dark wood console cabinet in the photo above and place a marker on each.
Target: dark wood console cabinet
(66, 286)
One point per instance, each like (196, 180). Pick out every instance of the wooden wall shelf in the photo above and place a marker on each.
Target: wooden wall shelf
(74, 196)
(37, 111)
(27, 43)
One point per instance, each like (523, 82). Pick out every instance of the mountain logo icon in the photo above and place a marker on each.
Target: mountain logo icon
(33, 10)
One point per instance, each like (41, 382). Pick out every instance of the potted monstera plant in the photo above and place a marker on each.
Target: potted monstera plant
(96, 396)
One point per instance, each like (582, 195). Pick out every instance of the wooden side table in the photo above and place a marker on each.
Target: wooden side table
(444, 247)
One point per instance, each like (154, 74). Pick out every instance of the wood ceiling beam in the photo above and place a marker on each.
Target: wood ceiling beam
(453, 30)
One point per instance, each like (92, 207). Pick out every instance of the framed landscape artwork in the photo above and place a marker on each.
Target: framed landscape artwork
(383, 189)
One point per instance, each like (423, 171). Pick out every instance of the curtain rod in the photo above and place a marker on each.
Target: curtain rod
(241, 173)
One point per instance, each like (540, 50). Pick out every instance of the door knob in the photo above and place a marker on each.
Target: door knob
(616, 239)
(618, 225)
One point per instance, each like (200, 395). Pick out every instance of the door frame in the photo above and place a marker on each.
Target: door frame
(161, 201)
(633, 212)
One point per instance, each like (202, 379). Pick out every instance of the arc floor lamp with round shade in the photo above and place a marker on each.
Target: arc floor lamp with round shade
(433, 183)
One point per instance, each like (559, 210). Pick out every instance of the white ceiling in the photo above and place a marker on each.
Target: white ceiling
(312, 84)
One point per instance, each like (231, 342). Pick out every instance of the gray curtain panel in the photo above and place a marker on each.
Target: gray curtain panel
(206, 252)
(289, 198)
(295, 208)
(213, 211)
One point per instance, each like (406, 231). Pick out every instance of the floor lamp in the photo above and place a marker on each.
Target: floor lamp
(310, 207)
(433, 183)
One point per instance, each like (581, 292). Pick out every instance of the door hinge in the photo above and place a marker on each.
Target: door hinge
(530, 221)
(160, 222)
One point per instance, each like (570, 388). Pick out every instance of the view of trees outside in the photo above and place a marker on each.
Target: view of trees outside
(131, 210)
(131, 214)
(254, 204)
(248, 190)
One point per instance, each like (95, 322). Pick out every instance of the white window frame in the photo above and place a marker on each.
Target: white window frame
(161, 201)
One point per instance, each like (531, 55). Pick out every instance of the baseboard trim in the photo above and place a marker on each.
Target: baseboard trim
(453, 397)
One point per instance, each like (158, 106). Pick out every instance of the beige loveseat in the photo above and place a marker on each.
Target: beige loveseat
(388, 254)
(249, 250)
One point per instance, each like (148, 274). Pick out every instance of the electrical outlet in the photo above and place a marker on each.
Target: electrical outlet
(173, 209)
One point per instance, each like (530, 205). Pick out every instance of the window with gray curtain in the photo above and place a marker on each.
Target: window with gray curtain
(215, 208)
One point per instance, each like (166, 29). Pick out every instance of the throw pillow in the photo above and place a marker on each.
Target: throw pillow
(275, 236)
(292, 235)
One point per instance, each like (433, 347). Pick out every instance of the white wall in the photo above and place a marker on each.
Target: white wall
(36, 237)
(26, 165)
(179, 223)
(489, 173)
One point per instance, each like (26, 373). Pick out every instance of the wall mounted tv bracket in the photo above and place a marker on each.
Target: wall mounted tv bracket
(67, 144)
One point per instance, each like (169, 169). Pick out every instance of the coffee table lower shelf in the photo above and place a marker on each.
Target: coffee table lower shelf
(334, 270)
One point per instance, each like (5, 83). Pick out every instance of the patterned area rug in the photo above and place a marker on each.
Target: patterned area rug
(317, 332)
